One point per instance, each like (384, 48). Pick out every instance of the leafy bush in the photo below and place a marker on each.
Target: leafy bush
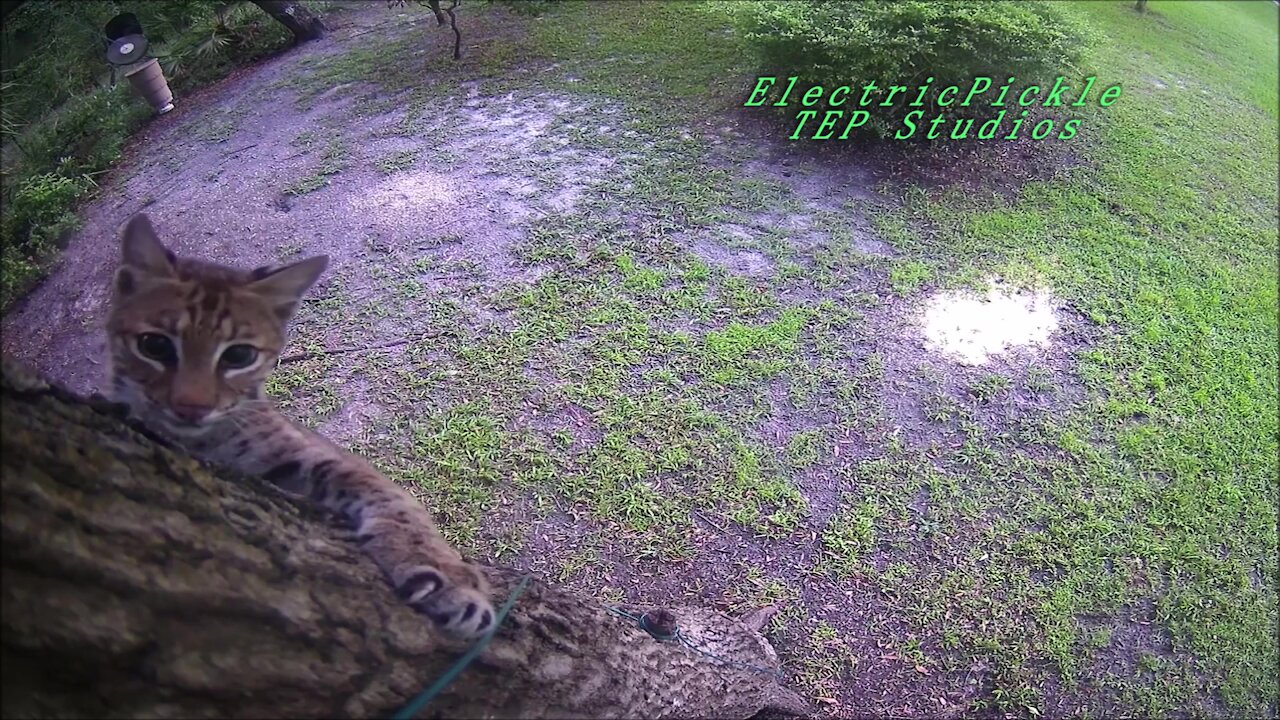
(63, 123)
(42, 199)
(217, 42)
(40, 211)
(527, 7)
(58, 161)
(905, 42)
(85, 135)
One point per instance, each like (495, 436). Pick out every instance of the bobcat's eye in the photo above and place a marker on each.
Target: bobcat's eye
(157, 347)
(239, 356)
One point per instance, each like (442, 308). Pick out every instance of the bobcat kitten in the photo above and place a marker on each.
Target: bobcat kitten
(190, 344)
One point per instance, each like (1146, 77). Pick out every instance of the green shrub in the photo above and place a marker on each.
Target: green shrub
(527, 7)
(39, 212)
(54, 51)
(43, 200)
(63, 124)
(86, 135)
(905, 42)
(216, 42)
(56, 166)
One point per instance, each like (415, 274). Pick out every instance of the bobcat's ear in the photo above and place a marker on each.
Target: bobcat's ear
(282, 287)
(142, 255)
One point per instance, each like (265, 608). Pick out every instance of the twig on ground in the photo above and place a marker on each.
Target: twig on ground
(238, 150)
(298, 357)
(707, 520)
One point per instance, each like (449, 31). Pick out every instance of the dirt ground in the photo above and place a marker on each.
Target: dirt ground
(286, 159)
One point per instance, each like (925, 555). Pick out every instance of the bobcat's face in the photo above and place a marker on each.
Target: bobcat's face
(190, 341)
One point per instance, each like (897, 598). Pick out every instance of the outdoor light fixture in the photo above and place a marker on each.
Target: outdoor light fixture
(127, 49)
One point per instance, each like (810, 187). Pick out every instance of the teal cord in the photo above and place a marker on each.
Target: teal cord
(420, 701)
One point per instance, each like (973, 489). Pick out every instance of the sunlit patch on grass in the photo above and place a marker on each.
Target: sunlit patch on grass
(972, 329)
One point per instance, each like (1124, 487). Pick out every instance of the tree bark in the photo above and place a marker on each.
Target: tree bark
(304, 24)
(138, 583)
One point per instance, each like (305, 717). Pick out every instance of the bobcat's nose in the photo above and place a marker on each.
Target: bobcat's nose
(192, 413)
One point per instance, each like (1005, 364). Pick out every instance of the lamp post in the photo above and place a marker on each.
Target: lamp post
(127, 49)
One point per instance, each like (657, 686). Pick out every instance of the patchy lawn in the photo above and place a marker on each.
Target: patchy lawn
(621, 333)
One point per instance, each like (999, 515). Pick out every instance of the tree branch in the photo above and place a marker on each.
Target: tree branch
(136, 582)
(304, 24)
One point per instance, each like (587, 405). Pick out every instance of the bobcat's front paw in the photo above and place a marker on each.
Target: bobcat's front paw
(452, 596)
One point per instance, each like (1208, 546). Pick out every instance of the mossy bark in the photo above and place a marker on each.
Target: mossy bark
(138, 583)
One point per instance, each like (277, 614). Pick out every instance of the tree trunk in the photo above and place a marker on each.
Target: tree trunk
(138, 583)
(304, 24)
(1140, 6)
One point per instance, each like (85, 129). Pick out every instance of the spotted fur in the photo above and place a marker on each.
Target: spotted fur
(179, 333)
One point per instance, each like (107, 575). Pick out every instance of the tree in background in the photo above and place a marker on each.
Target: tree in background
(304, 24)
(440, 13)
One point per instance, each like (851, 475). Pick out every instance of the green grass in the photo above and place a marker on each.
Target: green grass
(989, 387)
(1168, 240)
(1115, 550)
(907, 277)
(1158, 489)
(336, 158)
(741, 351)
(1213, 41)
(827, 661)
(1145, 510)
(849, 536)
(397, 161)
(217, 131)
(670, 79)
(805, 448)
